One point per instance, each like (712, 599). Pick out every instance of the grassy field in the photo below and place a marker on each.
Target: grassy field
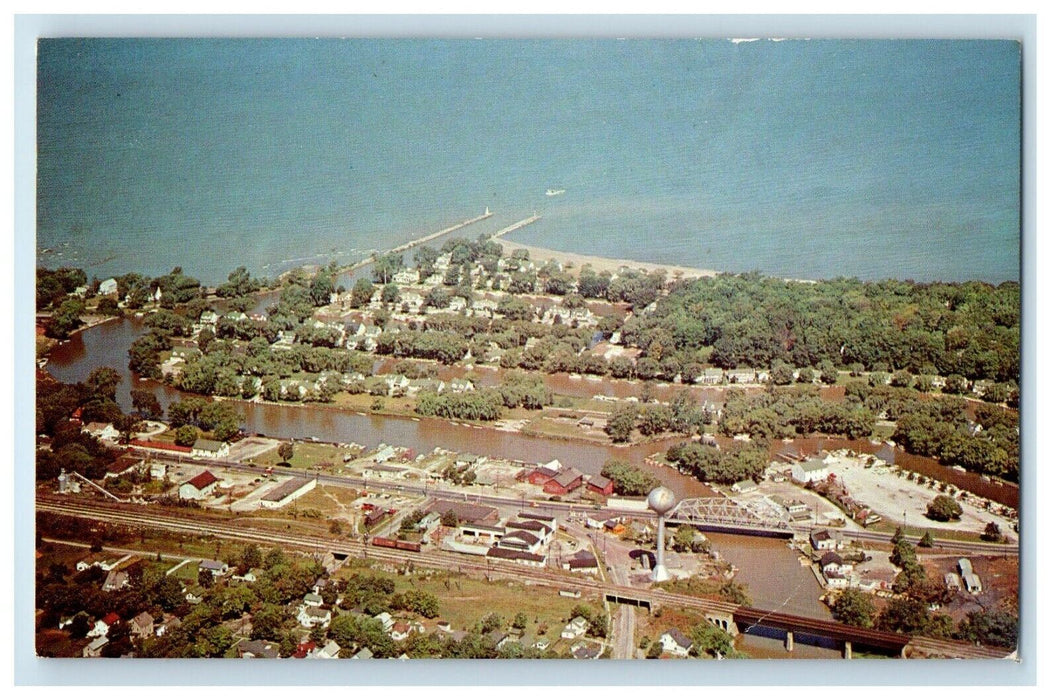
(307, 455)
(548, 427)
(392, 406)
(464, 601)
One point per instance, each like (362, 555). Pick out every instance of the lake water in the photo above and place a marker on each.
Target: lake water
(805, 159)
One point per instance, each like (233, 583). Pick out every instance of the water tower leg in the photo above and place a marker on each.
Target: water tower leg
(848, 651)
(789, 641)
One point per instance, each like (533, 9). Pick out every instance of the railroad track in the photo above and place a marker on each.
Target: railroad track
(553, 508)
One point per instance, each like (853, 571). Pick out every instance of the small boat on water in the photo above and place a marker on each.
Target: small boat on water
(554, 193)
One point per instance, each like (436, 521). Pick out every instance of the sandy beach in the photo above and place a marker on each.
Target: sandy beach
(600, 263)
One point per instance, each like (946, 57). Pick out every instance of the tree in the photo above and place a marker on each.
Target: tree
(622, 422)
(992, 627)
(250, 558)
(906, 615)
(79, 625)
(66, 319)
(102, 383)
(711, 640)
(144, 401)
(927, 540)
(943, 508)
(684, 538)
(781, 373)
(828, 374)
(992, 533)
(628, 480)
(450, 519)
(186, 435)
(853, 607)
(286, 451)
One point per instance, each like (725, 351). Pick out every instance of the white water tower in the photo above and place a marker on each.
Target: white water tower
(661, 500)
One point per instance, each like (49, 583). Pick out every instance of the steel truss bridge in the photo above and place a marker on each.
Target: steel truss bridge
(756, 514)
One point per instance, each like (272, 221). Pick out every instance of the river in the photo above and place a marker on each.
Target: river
(106, 345)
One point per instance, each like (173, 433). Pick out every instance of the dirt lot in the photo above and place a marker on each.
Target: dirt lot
(999, 581)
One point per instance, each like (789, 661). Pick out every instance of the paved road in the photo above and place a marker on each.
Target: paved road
(624, 624)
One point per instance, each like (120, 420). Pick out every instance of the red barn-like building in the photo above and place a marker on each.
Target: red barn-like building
(600, 485)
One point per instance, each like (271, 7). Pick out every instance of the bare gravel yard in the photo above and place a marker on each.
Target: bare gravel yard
(891, 496)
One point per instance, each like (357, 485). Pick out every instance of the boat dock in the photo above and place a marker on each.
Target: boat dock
(515, 226)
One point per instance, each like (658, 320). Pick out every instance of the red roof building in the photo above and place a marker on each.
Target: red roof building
(564, 482)
(600, 485)
(155, 445)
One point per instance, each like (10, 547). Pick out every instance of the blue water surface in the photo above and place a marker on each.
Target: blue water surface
(808, 159)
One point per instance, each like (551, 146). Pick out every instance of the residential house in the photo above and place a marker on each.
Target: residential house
(400, 631)
(217, 568)
(103, 431)
(513, 637)
(831, 564)
(798, 510)
(312, 616)
(386, 619)
(586, 650)
(364, 653)
(142, 625)
(249, 577)
(199, 487)
(313, 599)
(823, 540)
(102, 627)
(711, 375)
(676, 643)
(108, 286)
(460, 386)
(304, 649)
(542, 643)
(209, 449)
(576, 627)
(94, 648)
(329, 651)
(742, 376)
(257, 649)
(115, 581)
